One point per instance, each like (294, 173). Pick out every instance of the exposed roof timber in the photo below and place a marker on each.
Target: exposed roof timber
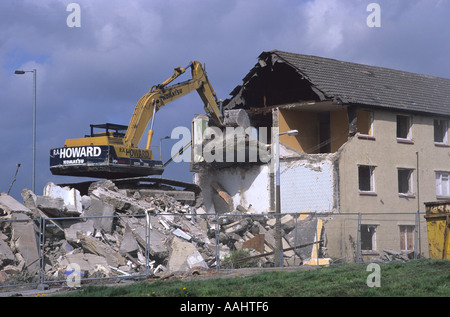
(312, 106)
(358, 84)
(262, 76)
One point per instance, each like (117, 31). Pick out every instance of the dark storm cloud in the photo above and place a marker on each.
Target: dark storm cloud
(97, 73)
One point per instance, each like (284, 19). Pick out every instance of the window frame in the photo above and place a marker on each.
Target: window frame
(371, 191)
(444, 142)
(370, 135)
(410, 193)
(408, 138)
(373, 238)
(439, 194)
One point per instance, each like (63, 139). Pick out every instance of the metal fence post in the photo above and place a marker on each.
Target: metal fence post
(147, 242)
(317, 239)
(217, 241)
(416, 235)
(295, 237)
(41, 250)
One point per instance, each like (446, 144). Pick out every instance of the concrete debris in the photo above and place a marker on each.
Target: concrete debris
(107, 233)
(392, 255)
(8, 206)
(25, 241)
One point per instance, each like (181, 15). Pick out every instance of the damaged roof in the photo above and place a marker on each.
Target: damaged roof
(352, 83)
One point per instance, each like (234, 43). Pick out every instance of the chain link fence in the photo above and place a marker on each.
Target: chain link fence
(73, 250)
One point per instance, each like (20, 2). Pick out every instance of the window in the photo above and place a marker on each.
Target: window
(405, 182)
(442, 185)
(368, 238)
(407, 238)
(364, 123)
(440, 131)
(366, 179)
(403, 127)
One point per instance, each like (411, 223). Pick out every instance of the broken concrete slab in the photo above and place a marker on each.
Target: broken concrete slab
(128, 243)
(121, 202)
(72, 229)
(103, 210)
(9, 205)
(88, 263)
(53, 207)
(287, 222)
(94, 246)
(26, 241)
(181, 234)
(237, 227)
(269, 238)
(306, 233)
(70, 196)
(6, 255)
(184, 256)
(158, 248)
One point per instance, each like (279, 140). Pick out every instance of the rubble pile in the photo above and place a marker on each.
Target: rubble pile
(106, 233)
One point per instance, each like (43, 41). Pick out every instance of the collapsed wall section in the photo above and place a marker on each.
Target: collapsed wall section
(249, 188)
(308, 182)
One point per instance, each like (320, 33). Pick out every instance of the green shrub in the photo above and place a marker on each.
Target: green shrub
(235, 259)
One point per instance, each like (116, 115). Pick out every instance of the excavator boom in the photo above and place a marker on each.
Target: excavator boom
(161, 95)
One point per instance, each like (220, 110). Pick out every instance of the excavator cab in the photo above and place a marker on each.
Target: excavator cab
(102, 155)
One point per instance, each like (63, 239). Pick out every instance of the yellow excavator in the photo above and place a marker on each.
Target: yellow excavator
(113, 153)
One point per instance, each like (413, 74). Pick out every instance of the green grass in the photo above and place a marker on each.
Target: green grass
(421, 278)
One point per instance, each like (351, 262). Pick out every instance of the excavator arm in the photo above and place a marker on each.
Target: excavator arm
(162, 94)
(115, 153)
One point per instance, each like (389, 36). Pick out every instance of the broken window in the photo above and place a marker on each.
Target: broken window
(364, 122)
(368, 238)
(403, 127)
(442, 184)
(405, 181)
(407, 237)
(440, 131)
(365, 178)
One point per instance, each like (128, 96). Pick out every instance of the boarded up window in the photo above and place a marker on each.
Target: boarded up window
(407, 237)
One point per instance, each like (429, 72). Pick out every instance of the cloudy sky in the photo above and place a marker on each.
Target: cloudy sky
(97, 72)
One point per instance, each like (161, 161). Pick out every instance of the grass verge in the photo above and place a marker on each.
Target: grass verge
(420, 278)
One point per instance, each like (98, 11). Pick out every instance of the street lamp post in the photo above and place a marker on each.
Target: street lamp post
(278, 256)
(21, 72)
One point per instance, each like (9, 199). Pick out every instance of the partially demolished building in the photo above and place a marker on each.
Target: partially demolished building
(371, 140)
